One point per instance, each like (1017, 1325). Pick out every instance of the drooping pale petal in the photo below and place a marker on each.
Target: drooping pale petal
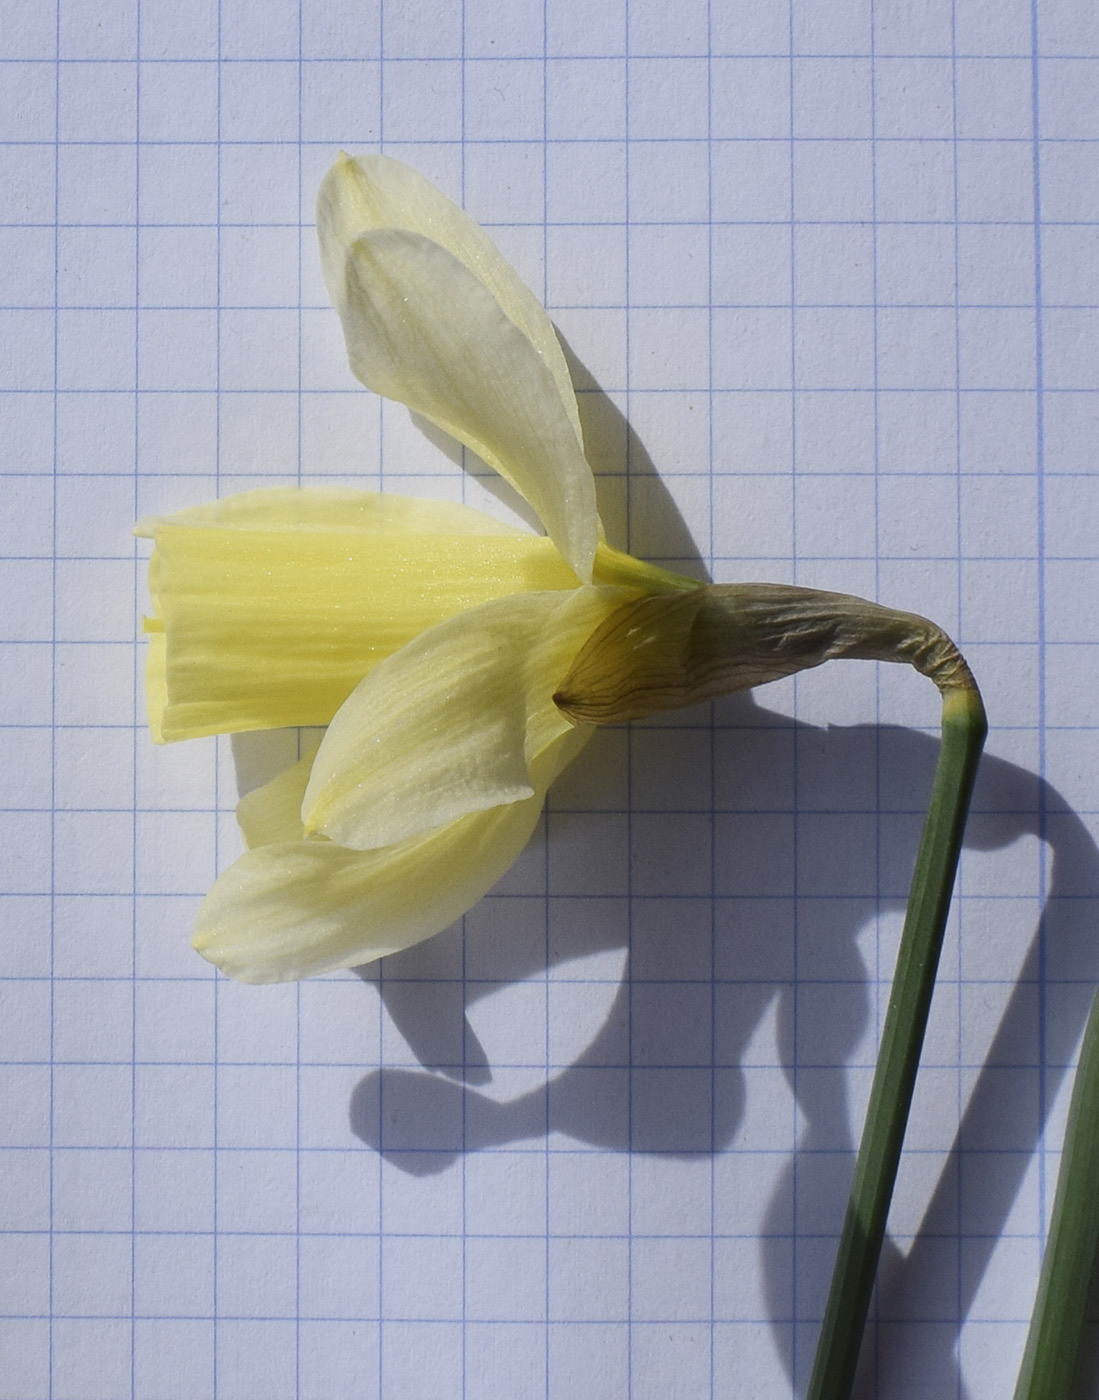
(425, 327)
(298, 908)
(269, 607)
(454, 722)
(374, 191)
(421, 329)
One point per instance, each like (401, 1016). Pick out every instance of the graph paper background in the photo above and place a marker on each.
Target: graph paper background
(835, 265)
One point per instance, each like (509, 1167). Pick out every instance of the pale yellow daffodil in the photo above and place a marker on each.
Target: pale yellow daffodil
(460, 664)
(423, 792)
(430, 636)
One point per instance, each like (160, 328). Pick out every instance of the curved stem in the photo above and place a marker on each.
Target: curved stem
(1057, 1325)
(963, 733)
(668, 649)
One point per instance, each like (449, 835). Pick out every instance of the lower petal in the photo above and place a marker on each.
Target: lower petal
(295, 909)
(453, 722)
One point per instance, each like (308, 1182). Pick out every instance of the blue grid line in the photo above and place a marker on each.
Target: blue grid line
(544, 58)
(382, 971)
(136, 730)
(630, 772)
(958, 1280)
(51, 1281)
(875, 1310)
(216, 1098)
(797, 1378)
(712, 852)
(300, 289)
(1043, 559)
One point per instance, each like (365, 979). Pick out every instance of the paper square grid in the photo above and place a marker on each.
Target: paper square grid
(829, 278)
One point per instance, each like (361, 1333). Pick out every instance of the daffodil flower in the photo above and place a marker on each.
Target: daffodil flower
(430, 637)
(460, 663)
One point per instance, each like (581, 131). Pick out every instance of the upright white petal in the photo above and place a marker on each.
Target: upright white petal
(434, 318)
(298, 908)
(375, 191)
(454, 722)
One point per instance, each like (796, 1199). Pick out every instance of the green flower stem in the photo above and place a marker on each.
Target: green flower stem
(676, 645)
(1057, 1325)
(963, 733)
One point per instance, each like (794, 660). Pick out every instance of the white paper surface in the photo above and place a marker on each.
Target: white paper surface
(835, 267)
